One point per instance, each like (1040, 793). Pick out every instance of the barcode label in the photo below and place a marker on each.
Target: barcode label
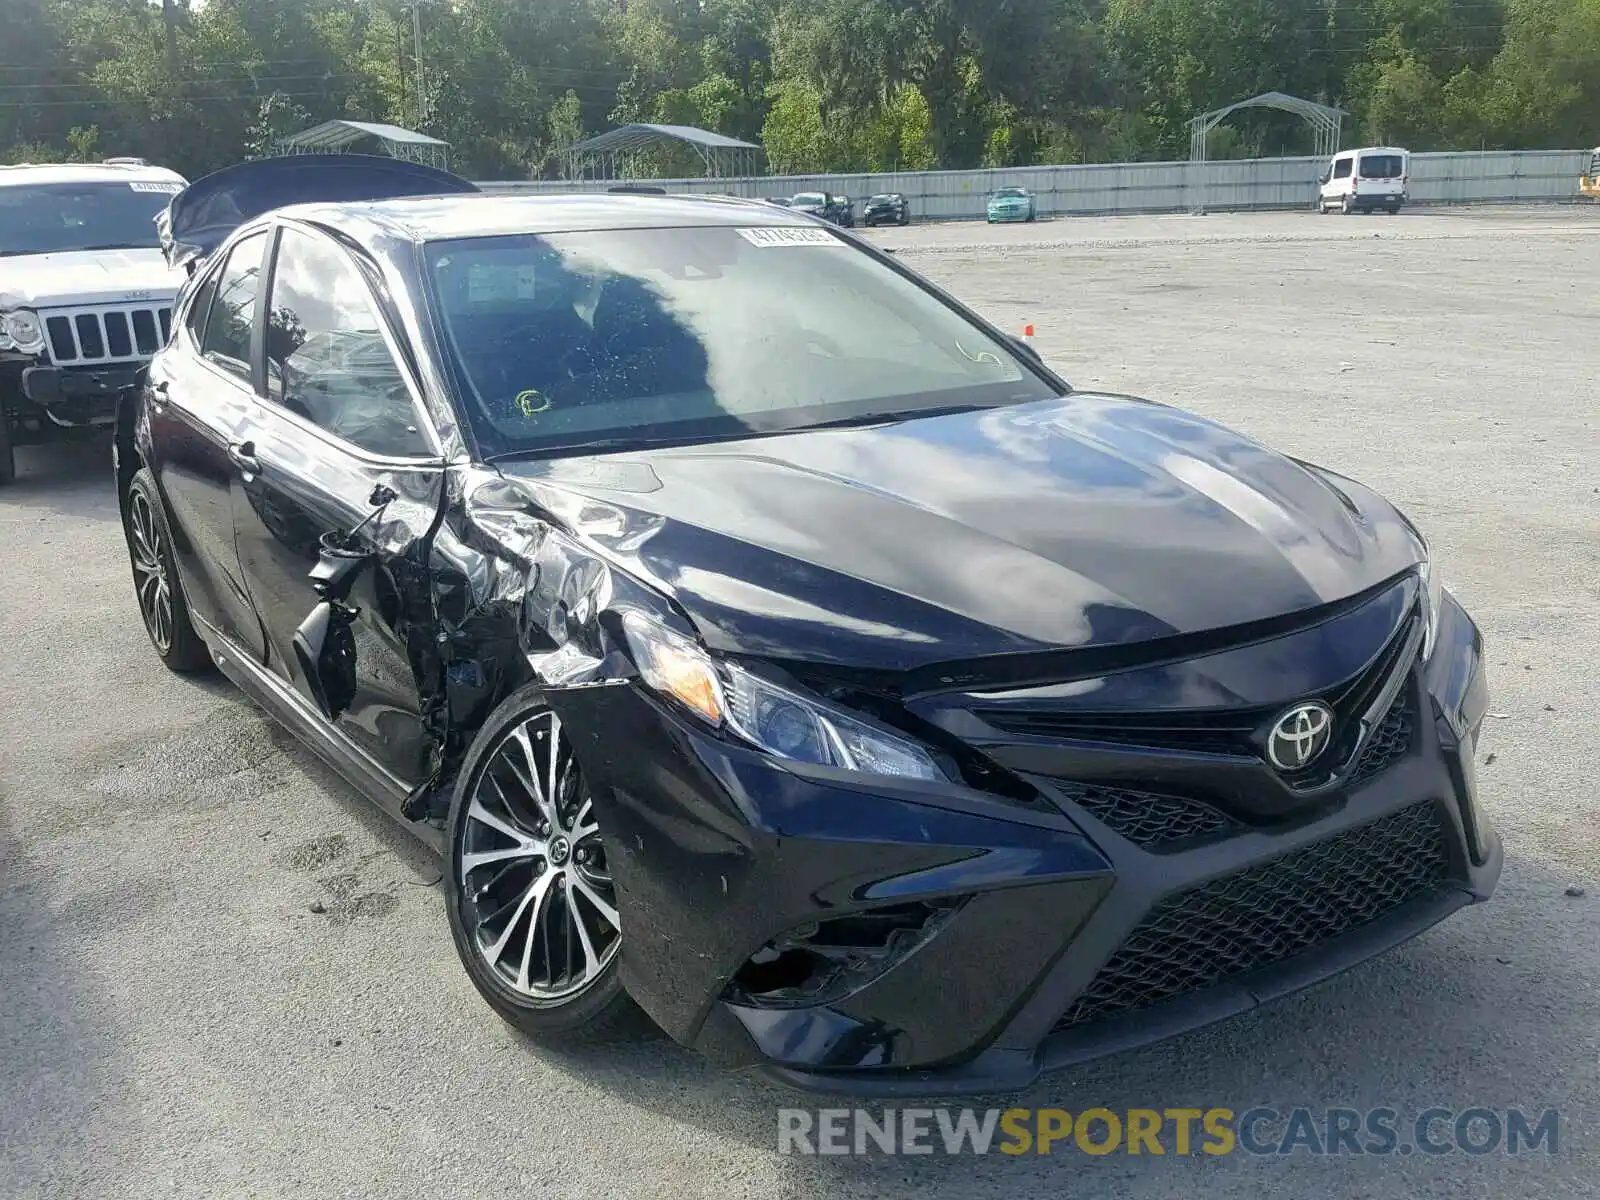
(767, 238)
(163, 189)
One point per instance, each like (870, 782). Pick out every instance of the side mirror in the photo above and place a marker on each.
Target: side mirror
(324, 646)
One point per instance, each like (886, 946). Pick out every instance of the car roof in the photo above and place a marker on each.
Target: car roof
(438, 218)
(1374, 150)
(39, 173)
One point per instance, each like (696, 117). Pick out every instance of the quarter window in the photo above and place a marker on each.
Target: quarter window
(227, 334)
(200, 308)
(327, 360)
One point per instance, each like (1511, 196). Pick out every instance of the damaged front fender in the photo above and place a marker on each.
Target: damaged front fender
(521, 596)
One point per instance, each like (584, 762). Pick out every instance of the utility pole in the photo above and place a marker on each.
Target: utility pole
(169, 20)
(419, 78)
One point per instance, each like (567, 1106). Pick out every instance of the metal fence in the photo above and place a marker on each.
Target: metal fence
(1498, 176)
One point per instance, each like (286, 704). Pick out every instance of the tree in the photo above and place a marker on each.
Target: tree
(827, 84)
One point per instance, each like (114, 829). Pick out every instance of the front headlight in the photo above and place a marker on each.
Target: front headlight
(782, 722)
(25, 330)
(1433, 591)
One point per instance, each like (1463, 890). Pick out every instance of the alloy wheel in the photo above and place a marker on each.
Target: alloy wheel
(538, 900)
(150, 580)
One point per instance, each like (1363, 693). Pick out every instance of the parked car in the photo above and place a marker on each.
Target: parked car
(829, 207)
(780, 201)
(759, 634)
(85, 297)
(1377, 177)
(1010, 204)
(889, 208)
(1589, 181)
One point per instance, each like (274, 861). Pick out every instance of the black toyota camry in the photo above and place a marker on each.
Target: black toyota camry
(764, 639)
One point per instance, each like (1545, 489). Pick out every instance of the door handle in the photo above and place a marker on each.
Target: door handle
(158, 394)
(243, 456)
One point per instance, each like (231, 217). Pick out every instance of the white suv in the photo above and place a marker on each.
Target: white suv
(85, 294)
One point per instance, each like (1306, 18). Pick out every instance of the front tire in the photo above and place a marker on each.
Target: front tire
(157, 586)
(530, 898)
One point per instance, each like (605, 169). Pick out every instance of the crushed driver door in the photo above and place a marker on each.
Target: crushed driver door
(340, 488)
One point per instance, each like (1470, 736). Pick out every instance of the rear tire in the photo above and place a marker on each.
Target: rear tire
(524, 841)
(157, 586)
(1346, 206)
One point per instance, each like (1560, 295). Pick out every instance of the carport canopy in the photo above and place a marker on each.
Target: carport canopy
(1325, 120)
(615, 151)
(339, 136)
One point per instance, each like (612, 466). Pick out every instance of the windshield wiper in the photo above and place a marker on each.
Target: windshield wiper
(619, 444)
(892, 417)
(114, 246)
(606, 446)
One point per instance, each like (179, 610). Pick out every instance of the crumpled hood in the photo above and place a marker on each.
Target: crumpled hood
(1085, 521)
(83, 277)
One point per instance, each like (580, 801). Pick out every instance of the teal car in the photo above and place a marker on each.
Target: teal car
(1010, 204)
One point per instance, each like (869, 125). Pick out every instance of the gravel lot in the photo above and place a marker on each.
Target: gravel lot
(175, 1021)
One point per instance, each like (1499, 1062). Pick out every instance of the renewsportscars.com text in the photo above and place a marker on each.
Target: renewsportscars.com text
(1179, 1132)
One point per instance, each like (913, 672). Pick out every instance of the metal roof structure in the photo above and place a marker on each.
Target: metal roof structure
(335, 137)
(1326, 125)
(615, 154)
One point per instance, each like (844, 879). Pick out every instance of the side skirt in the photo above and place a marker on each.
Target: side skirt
(286, 707)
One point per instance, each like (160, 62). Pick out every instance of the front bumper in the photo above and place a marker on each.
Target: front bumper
(78, 396)
(1010, 214)
(720, 852)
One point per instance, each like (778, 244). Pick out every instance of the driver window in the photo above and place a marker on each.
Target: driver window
(1341, 168)
(327, 361)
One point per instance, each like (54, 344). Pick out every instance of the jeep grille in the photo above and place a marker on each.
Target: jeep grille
(124, 333)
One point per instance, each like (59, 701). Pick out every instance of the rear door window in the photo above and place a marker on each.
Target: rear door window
(1382, 166)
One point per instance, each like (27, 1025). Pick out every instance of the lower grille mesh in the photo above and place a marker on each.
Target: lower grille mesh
(1147, 819)
(1270, 912)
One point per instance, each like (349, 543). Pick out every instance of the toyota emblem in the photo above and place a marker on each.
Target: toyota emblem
(1299, 736)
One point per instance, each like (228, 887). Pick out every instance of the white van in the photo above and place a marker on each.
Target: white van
(1362, 180)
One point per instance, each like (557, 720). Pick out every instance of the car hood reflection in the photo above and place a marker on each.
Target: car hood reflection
(1088, 520)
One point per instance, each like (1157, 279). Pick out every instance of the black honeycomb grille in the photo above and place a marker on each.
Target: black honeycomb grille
(1268, 913)
(1147, 819)
(1390, 742)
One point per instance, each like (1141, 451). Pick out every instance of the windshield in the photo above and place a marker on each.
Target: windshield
(640, 336)
(1008, 193)
(1382, 166)
(50, 217)
(810, 198)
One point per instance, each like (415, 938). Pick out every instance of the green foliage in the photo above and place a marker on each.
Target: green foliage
(823, 84)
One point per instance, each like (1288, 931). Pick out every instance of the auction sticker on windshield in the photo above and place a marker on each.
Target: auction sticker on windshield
(767, 238)
(165, 189)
